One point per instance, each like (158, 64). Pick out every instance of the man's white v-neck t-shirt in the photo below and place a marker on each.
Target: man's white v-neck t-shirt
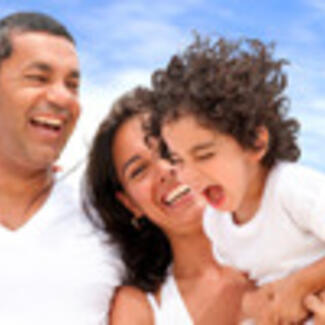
(56, 269)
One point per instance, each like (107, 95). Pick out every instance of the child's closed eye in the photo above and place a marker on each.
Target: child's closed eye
(205, 156)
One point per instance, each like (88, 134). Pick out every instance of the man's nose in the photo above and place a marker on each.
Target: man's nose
(59, 95)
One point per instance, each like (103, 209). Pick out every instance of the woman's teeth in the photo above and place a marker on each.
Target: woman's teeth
(177, 193)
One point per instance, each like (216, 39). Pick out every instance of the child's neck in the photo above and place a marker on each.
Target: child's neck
(252, 200)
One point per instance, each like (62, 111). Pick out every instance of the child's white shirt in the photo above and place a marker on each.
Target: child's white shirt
(286, 234)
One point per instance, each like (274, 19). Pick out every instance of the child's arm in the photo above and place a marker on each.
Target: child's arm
(283, 300)
(316, 305)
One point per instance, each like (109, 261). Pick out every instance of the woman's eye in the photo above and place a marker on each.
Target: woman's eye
(137, 171)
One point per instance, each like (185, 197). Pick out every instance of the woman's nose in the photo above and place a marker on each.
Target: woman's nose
(166, 170)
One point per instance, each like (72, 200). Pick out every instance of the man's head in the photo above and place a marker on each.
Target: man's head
(39, 82)
(28, 22)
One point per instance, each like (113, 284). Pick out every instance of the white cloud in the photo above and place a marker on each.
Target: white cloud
(317, 4)
(136, 40)
(132, 34)
(122, 42)
(7, 9)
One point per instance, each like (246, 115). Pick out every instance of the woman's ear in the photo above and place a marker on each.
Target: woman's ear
(129, 203)
(261, 143)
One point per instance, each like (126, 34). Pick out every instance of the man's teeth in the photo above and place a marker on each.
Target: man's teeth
(47, 122)
(177, 193)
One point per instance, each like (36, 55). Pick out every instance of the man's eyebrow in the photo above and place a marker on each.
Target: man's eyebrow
(202, 146)
(75, 73)
(40, 66)
(129, 162)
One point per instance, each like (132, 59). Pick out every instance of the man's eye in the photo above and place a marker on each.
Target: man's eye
(36, 77)
(73, 85)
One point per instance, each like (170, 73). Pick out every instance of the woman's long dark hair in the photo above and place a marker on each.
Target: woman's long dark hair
(145, 252)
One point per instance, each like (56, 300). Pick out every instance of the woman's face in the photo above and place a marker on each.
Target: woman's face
(151, 186)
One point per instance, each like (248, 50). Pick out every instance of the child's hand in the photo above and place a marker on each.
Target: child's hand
(276, 303)
(316, 304)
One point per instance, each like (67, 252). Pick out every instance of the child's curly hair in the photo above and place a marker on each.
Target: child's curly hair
(234, 87)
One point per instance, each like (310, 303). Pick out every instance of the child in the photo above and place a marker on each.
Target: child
(221, 110)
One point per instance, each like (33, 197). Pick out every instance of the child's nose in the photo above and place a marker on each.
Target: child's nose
(190, 176)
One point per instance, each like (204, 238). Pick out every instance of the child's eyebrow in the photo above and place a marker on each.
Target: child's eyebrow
(201, 146)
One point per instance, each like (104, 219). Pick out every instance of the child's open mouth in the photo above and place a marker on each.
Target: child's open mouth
(215, 196)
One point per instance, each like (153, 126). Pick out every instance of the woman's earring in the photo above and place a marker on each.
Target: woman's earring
(135, 221)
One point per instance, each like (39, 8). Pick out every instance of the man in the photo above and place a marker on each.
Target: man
(54, 267)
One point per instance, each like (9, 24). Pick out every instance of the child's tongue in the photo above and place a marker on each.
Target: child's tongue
(214, 195)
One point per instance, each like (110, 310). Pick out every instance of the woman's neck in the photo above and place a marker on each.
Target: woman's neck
(192, 255)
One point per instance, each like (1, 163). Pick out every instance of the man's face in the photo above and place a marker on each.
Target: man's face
(39, 103)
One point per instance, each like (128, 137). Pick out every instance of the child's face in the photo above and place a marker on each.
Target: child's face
(214, 164)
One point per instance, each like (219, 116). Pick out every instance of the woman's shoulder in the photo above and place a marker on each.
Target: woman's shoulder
(130, 306)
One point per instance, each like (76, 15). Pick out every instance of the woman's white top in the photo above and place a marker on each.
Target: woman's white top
(172, 309)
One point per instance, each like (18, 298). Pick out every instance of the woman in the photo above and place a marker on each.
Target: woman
(155, 220)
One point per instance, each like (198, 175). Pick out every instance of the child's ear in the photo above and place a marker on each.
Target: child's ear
(128, 203)
(261, 142)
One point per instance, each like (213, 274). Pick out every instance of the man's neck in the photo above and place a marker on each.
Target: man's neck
(22, 194)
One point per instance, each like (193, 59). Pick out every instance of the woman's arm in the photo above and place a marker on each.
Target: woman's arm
(283, 300)
(130, 306)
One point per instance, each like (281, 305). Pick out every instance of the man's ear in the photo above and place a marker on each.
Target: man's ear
(261, 143)
(129, 204)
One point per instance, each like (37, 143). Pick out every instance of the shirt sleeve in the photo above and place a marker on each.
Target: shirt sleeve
(303, 197)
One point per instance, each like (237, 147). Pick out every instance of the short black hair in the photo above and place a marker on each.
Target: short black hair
(28, 22)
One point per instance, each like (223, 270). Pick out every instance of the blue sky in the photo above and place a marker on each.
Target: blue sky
(121, 42)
